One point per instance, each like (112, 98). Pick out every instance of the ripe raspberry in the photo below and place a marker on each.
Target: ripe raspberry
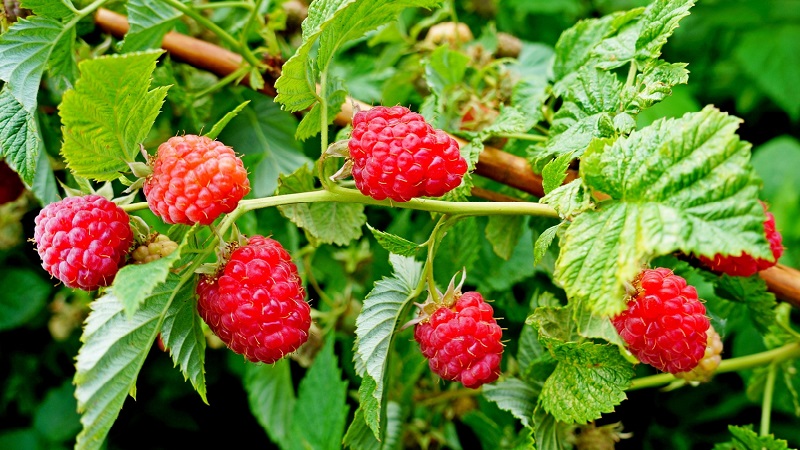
(462, 342)
(705, 369)
(195, 179)
(256, 302)
(157, 247)
(397, 155)
(11, 186)
(665, 324)
(83, 241)
(745, 265)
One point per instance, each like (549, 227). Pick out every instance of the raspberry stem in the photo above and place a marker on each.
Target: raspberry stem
(774, 356)
(766, 404)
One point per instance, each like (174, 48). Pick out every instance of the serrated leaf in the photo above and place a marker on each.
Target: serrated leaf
(654, 84)
(384, 307)
(221, 123)
(569, 199)
(149, 21)
(510, 120)
(753, 293)
(555, 172)
(104, 123)
(574, 140)
(312, 120)
(513, 395)
(549, 433)
(54, 9)
(360, 437)
(322, 389)
(591, 325)
(744, 438)
(394, 244)
(19, 136)
(659, 21)
(589, 380)
(182, 333)
(444, 69)
(270, 394)
(686, 185)
(334, 23)
(543, 243)
(503, 232)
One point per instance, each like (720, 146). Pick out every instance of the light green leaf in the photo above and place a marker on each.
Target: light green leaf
(19, 136)
(543, 243)
(23, 294)
(394, 244)
(270, 394)
(574, 140)
(654, 84)
(322, 389)
(569, 199)
(687, 185)
(104, 123)
(511, 120)
(744, 438)
(149, 21)
(444, 69)
(503, 232)
(513, 395)
(384, 307)
(555, 172)
(589, 380)
(591, 325)
(658, 23)
(312, 121)
(54, 9)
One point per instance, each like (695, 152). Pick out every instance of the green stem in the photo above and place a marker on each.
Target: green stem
(83, 12)
(230, 4)
(775, 356)
(447, 396)
(766, 404)
(431, 243)
(323, 131)
(222, 83)
(524, 137)
(343, 195)
(254, 13)
(216, 29)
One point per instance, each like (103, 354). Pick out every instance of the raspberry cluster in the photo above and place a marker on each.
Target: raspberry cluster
(462, 342)
(745, 265)
(83, 241)
(396, 154)
(665, 324)
(256, 302)
(195, 179)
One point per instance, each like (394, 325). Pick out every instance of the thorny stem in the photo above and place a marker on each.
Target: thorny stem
(766, 404)
(775, 356)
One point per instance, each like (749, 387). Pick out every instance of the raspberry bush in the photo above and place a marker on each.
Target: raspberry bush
(248, 218)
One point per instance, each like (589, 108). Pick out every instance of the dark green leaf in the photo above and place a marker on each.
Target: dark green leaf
(270, 394)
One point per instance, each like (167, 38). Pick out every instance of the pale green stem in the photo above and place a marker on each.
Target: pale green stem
(84, 12)
(323, 107)
(432, 242)
(524, 137)
(231, 4)
(249, 25)
(775, 356)
(766, 404)
(222, 83)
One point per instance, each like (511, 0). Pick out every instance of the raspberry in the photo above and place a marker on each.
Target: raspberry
(11, 186)
(157, 247)
(745, 265)
(83, 241)
(397, 155)
(256, 302)
(462, 342)
(711, 358)
(665, 324)
(195, 179)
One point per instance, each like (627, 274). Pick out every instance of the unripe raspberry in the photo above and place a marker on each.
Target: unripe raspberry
(256, 302)
(665, 324)
(462, 342)
(745, 265)
(397, 155)
(83, 241)
(195, 179)
(159, 246)
(711, 359)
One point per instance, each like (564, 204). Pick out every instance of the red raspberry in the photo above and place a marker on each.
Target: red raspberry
(256, 303)
(195, 179)
(665, 324)
(11, 186)
(745, 265)
(83, 241)
(397, 155)
(462, 342)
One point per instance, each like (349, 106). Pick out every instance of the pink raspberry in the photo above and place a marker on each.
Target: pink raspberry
(195, 179)
(397, 155)
(256, 302)
(83, 241)
(462, 342)
(665, 324)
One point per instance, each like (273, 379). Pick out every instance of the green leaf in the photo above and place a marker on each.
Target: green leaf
(54, 9)
(19, 136)
(549, 433)
(322, 389)
(323, 223)
(445, 69)
(182, 333)
(744, 438)
(591, 325)
(149, 21)
(569, 199)
(589, 380)
(312, 121)
(360, 437)
(659, 21)
(23, 294)
(26, 49)
(104, 123)
(503, 232)
(380, 316)
(394, 244)
(56, 415)
(261, 130)
(334, 23)
(753, 293)
(543, 243)
(510, 120)
(136, 282)
(493, 275)
(270, 394)
(221, 123)
(654, 84)
(687, 185)
(515, 396)
(555, 172)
